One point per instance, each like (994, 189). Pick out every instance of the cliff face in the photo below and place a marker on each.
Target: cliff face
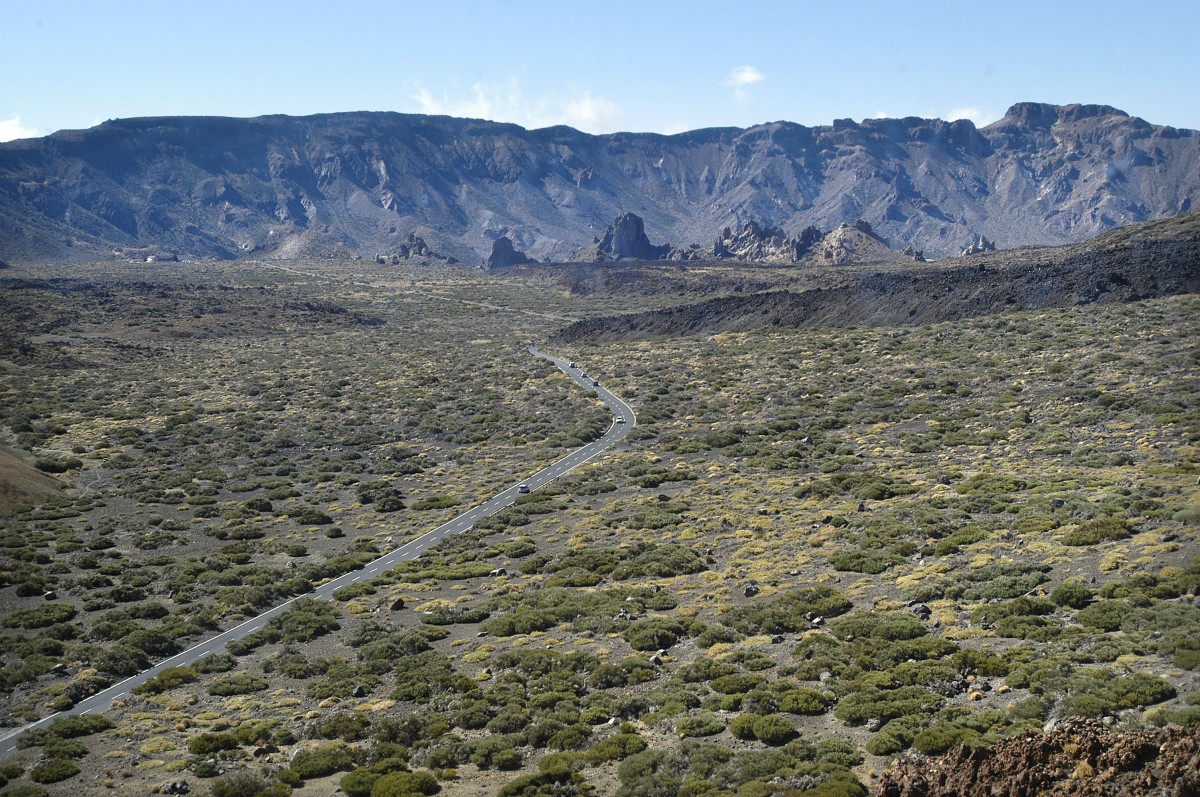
(362, 182)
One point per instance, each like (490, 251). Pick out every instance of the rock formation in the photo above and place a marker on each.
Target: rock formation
(854, 243)
(768, 244)
(413, 246)
(625, 239)
(1080, 757)
(504, 254)
(978, 246)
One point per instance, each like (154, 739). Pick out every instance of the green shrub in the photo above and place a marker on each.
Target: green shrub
(435, 502)
(405, 784)
(939, 738)
(65, 748)
(703, 724)
(169, 678)
(805, 701)
(1073, 593)
(208, 743)
(70, 727)
(26, 790)
(872, 702)
(215, 662)
(617, 747)
(238, 684)
(497, 752)
(53, 771)
(1105, 615)
(248, 784)
(787, 612)
(359, 782)
(838, 752)
(323, 761)
(57, 465)
(41, 616)
(308, 516)
(1103, 529)
(881, 625)
(771, 729)
(654, 633)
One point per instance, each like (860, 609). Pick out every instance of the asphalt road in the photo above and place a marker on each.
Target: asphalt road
(102, 701)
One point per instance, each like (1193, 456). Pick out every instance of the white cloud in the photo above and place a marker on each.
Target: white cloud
(741, 77)
(592, 113)
(978, 116)
(11, 129)
(507, 103)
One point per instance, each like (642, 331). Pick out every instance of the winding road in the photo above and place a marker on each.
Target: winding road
(623, 421)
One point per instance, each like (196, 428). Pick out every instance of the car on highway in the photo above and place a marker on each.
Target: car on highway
(522, 488)
(595, 383)
(620, 419)
(572, 365)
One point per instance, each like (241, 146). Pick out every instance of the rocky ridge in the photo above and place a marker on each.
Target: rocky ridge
(337, 185)
(1136, 262)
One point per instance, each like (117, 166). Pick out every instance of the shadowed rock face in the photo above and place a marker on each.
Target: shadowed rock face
(504, 255)
(339, 184)
(625, 239)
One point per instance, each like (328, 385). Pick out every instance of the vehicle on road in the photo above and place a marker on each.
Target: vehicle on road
(620, 419)
(522, 488)
(595, 383)
(572, 365)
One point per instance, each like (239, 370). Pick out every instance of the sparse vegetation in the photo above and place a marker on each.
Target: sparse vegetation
(822, 544)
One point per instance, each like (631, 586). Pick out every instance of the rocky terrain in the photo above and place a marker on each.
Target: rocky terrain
(358, 184)
(1141, 261)
(1081, 757)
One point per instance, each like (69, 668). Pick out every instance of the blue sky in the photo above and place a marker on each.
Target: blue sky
(600, 66)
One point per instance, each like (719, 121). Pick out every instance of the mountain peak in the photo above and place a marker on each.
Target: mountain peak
(1042, 115)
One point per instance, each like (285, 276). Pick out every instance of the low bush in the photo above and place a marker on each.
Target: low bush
(703, 724)
(323, 761)
(238, 684)
(169, 678)
(53, 771)
(1092, 532)
(617, 747)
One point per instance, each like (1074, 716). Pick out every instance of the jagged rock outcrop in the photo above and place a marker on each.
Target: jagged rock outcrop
(978, 246)
(331, 185)
(412, 247)
(504, 254)
(769, 244)
(625, 239)
(854, 243)
(1080, 758)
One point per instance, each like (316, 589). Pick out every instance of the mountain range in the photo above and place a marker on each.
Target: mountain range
(363, 184)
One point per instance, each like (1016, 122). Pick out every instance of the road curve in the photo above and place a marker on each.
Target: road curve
(102, 701)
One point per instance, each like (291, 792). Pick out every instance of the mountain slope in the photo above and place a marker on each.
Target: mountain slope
(337, 184)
